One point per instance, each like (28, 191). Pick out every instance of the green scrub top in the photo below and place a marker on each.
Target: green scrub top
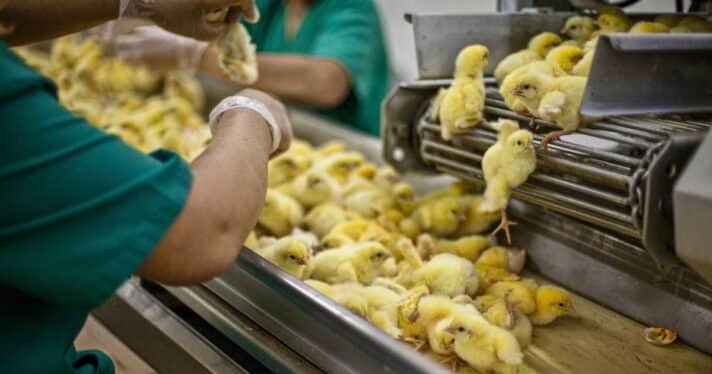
(79, 212)
(348, 31)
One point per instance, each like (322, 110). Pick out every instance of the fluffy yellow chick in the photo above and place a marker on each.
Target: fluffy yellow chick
(340, 165)
(498, 264)
(441, 217)
(506, 89)
(360, 230)
(432, 311)
(285, 167)
(330, 148)
(563, 58)
(541, 304)
(445, 274)
(369, 203)
(501, 313)
(408, 314)
(695, 24)
(461, 107)
(383, 309)
(579, 29)
(280, 214)
(506, 165)
(468, 247)
(482, 345)
(644, 27)
(539, 46)
(291, 253)
(610, 23)
(561, 105)
(312, 188)
(583, 67)
(475, 222)
(322, 218)
(251, 241)
(336, 240)
(359, 262)
(344, 294)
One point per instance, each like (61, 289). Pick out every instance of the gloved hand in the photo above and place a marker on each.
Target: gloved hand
(275, 108)
(159, 49)
(200, 19)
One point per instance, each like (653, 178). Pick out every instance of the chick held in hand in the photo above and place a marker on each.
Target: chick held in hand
(291, 253)
(352, 263)
(506, 165)
(462, 105)
(280, 214)
(538, 47)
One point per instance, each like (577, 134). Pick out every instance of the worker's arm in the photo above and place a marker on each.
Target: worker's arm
(36, 20)
(317, 82)
(229, 186)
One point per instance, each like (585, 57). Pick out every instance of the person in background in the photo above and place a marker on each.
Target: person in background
(326, 55)
(81, 211)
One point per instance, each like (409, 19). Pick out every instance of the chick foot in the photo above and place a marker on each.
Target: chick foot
(554, 135)
(452, 362)
(504, 224)
(417, 344)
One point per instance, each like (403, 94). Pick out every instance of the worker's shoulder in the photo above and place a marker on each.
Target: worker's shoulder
(16, 76)
(361, 6)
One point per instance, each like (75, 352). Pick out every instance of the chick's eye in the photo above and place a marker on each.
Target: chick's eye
(574, 27)
(562, 305)
(519, 142)
(292, 257)
(526, 87)
(461, 329)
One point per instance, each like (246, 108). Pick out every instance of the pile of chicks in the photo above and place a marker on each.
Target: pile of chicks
(547, 79)
(150, 111)
(423, 269)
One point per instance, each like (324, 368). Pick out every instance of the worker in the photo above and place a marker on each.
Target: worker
(325, 55)
(81, 211)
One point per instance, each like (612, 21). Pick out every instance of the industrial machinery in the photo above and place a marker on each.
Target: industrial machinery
(618, 213)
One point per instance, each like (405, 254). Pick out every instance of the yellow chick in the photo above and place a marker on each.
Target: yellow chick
(312, 188)
(291, 253)
(695, 24)
(432, 311)
(507, 88)
(285, 167)
(482, 345)
(369, 203)
(383, 308)
(506, 165)
(441, 217)
(539, 46)
(343, 294)
(644, 27)
(468, 247)
(475, 222)
(324, 217)
(280, 214)
(335, 240)
(669, 20)
(501, 313)
(498, 264)
(340, 165)
(583, 67)
(444, 274)
(563, 58)
(251, 242)
(353, 263)
(360, 230)
(541, 304)
(408, 314)
(561, 105)
(330, 148)
(611, 23)
(461, 107)
(579, 29)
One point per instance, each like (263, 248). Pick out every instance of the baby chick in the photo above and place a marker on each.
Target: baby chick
(408, 314)
(330, 148)
(461, 107)
(340, 165)
(507, 88)
(500, 312)
(541, 304)
(343, 294)
(445, 274)
(561, 105)
(563, 58)
(579, 29)
(358, 262)
(280, 214)
(611, 23)
(312, 188)
(669, 20)
(468, 247)
(499, 264)
(644, 27)
(322, 218)
(285, 167)
(441, 217)
(475, 222)
(251, 242)
(291, 253)
(369, 203)
(539, 46)
(506, 165)
(383, 308)
(360, 230)
(583, 67)
(482, 345)
(695, 24)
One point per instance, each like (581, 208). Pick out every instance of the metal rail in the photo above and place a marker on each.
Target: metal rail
(597, 175)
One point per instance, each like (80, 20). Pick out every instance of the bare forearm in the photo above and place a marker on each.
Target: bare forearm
(36, 20)
(316, 82)
(229, 185)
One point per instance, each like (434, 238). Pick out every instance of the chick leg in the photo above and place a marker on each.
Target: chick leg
(554, 135)
(417, 344)
(451, 361)
(504, 224)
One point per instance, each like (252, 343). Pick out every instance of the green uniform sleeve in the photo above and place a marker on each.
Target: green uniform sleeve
(81, 210)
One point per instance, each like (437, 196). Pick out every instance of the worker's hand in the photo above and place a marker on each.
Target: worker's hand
(200, 19)
(159, 49)
(278, 111)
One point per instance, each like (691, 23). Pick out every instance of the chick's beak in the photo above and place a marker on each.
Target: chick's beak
(517, 92)
(530, 147)
(565, 30)
(301, 261)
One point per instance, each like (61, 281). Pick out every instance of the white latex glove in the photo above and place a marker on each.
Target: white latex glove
(201, 19)
(159, 49)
